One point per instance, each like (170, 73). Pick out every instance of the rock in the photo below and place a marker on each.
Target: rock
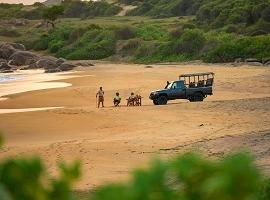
(148, 67)
(54, 59)
(6, 50)
(46, 64)
(238, 60)
(19, 22)
(252, 60)
(255, 63)
(60, 61)
(18, 46)
(33, 66)
(265, 60)
(7, 71)
(20, 58)
(267, 63)
(83, 64)
(66, 66)
(53, 70)
(5, 66)
(3, 60)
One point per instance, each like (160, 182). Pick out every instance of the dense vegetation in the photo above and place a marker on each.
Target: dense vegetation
(151, 43)
(242, 14)
(187, 177)
(209, 30)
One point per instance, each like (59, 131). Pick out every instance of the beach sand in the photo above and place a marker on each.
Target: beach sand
(111, 142)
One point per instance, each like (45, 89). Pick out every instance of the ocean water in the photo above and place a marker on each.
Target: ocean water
(9, 77)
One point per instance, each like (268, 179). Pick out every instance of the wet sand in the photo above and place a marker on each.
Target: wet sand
(111, 142)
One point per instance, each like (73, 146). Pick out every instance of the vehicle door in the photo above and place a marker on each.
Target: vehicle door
(178, 90)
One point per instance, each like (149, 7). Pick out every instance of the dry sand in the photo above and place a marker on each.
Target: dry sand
(111, 142)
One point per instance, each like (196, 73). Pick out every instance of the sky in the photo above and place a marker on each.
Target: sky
(26, 2)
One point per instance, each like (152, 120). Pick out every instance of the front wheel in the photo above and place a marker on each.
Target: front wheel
(162, 100)
(196, 97)
(155, 102)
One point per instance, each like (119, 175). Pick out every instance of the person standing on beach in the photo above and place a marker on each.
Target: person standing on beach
(100, 96)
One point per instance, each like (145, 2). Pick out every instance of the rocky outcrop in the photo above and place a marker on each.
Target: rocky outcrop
(5, 66)
(20, 58)
(66, 66)
(6, 50)
(251, 60)
(267, 63)
(60, 61)
(13, 55)
(46, 63)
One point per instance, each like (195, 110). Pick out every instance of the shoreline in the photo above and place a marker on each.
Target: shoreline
(33, 80)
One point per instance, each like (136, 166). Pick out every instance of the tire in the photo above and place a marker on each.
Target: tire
(162, 100)
(198, 97)
(155, 102)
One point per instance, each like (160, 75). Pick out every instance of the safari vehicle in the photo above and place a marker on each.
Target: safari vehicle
(194, 87)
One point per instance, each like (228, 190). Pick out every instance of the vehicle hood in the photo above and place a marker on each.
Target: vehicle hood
(159, 91)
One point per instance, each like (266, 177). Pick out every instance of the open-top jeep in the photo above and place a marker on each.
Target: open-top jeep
(194, 87)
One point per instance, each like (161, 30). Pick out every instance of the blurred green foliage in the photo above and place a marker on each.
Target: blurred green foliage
(26, 179)
(191, 177)
(186, 177)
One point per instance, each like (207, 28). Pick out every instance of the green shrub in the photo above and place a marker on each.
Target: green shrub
(94, 44)
(191, 42)
(41, 44)
(189, 177)
(55, 46)
(150, 32)
(244, 47)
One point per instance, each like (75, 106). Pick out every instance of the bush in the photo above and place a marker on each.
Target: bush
(245, 47)
(94, 44)
(41, 44)
(55, 46)
(189, 177)
(149, 32)
(191, 42)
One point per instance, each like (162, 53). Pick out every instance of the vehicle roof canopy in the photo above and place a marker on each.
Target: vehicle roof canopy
(197, 74)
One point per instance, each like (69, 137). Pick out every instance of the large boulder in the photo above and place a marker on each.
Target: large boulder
(60, 61)
(66, 66)
(6, 50)
(20, 58)
(46, 63)
(18, 46)
(251, 60)
(3, 60)
(267, 63)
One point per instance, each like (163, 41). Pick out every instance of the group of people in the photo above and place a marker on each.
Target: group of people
(116, 100)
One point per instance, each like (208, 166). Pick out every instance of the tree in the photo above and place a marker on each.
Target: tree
(51, 14)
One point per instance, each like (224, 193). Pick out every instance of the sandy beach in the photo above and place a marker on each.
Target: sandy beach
(111, 142)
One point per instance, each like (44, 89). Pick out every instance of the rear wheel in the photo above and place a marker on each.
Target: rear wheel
(155, 102)
(162, 100)
(198, 97)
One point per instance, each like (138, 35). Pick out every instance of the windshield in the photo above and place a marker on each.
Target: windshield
(169, 85)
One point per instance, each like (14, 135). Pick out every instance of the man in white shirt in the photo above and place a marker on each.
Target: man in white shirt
(100, 96)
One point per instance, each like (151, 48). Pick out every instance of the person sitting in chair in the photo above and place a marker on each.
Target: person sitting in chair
(117, 99)
(131, 99)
